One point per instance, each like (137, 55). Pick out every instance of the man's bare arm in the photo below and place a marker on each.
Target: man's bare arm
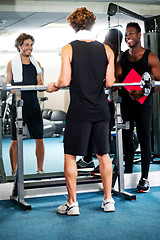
(110, 72)
(9, 73)
(155, 68)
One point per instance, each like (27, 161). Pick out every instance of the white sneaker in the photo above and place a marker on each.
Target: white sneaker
(13, 173)
(108, 205)
(41, 172)
(69, 209)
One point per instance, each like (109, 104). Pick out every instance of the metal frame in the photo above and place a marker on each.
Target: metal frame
(2, 171)
(18, 190)
(118, 169)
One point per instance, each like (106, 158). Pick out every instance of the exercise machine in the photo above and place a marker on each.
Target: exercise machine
(58, 118)
(18, 189)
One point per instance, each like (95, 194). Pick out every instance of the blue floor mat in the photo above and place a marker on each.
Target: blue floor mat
(136, 220)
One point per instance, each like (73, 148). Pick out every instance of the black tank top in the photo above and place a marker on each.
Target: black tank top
(140, 67)
(30, 100)
(87, 98)
(29, 78)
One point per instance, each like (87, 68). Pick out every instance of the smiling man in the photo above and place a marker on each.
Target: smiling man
(138, 60)
(25, 70)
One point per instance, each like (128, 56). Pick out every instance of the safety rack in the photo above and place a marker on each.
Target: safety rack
(19, 186)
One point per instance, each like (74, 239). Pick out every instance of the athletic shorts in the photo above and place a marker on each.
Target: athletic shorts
(77, 136)
(34, 124)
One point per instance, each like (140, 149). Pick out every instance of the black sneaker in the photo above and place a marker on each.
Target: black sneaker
(143, 185)
(84, 166)
(96, 172)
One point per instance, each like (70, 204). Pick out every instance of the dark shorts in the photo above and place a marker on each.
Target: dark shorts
(34, 124)
(77, 136)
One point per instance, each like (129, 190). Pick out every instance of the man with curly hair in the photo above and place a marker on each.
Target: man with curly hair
(113, 39)
(25, 70)
(85, 64)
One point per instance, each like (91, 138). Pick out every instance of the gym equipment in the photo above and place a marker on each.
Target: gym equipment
(58, 118)
(18, 190)
(46, 114)
(49, 127)
(152, 42)
(6, 109)
(118, 169)
(2, 171)
(41, 101)
(151, 23)
(146, 82)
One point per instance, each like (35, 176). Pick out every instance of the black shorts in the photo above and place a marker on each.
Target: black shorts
(77, 136)
(34, 124)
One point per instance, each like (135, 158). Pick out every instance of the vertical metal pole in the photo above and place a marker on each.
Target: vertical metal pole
(119, 153)
(119, 146)
(2, 171)
(18, 192)
(19, 125)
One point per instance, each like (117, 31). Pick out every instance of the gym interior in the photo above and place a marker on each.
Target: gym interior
(28, 202)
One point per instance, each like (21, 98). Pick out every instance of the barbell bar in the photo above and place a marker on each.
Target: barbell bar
(9, 87)
(146, 84)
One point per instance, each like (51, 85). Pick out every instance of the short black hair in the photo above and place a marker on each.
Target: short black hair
(135, 25)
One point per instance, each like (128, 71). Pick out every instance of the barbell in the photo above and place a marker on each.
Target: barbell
(146, 84)
(9, 87)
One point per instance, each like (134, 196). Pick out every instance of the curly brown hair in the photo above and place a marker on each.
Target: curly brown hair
(81, 19)
(21, 38)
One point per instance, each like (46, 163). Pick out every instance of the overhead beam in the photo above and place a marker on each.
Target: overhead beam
(69, 6)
